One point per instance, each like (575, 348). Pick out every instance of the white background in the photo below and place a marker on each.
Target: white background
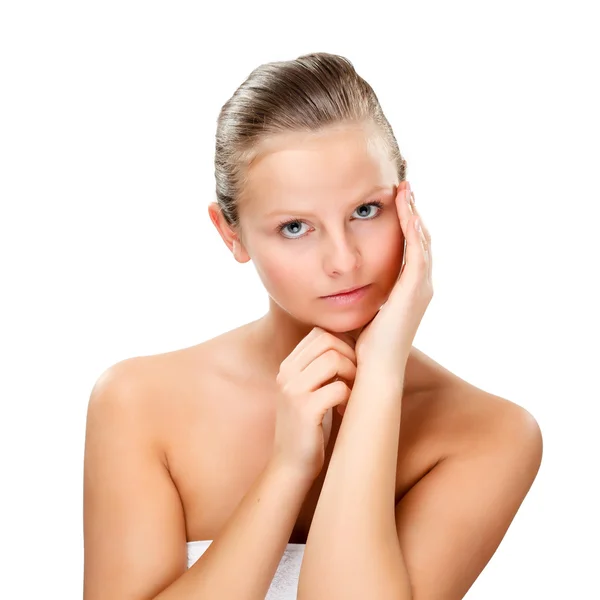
(107, 121)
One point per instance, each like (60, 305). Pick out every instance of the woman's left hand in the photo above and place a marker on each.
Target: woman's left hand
(385, 342)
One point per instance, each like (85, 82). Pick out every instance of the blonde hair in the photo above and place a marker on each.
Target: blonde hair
(309, 94)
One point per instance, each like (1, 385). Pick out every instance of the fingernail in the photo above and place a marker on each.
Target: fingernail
(407, 195)
(408, 185)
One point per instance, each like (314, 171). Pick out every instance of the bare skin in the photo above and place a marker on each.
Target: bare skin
(176, 440)
(214, 395)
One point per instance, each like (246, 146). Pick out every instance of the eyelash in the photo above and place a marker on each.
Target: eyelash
(284, 224)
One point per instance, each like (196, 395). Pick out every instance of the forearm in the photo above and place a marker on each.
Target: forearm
(352, 550)
(241, 562)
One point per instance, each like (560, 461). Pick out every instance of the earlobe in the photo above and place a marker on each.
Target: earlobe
(239, 252)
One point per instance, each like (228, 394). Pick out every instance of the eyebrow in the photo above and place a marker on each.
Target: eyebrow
(308, 214)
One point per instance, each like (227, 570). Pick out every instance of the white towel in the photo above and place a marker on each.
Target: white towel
(285, 582)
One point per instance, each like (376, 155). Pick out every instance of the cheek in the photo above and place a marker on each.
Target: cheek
(387, 258)
(394, 250)
(279, 278)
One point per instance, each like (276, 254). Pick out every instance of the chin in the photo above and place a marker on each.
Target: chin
(346, 322)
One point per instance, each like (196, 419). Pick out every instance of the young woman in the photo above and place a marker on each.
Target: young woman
(314, 452)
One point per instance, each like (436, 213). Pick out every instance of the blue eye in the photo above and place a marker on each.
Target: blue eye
(285, 224)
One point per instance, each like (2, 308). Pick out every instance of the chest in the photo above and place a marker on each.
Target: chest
(218, 447)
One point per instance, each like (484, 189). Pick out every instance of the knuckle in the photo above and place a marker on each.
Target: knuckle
(340, 388)
(343, 337)
(332, 357)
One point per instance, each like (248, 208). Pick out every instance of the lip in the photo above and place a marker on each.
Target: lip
(353, 289)
(348, 298)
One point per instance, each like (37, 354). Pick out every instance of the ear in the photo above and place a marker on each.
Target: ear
(229, 236)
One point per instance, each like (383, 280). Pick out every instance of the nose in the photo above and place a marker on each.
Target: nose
(342, 256)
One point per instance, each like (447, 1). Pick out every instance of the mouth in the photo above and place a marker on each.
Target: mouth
(348, 291)
(350, 298)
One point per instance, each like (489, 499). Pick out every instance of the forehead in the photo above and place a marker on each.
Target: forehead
(336, 161)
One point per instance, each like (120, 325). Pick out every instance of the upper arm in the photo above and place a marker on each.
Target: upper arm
(134, 526)
(452, 521)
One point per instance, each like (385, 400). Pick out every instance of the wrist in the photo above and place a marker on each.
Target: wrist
(387, 369)
(379, 381)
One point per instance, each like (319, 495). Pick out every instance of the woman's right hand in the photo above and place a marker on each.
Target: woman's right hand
(316, 377)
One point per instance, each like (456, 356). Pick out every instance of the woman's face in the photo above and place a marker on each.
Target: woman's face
(323, 186)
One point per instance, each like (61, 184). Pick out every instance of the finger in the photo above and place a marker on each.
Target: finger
(319, 346)
(345, 337)
(415, 255)
(424, 231)
(425, 237)
(403, 207)
(324, 369)
(334, 394)
(305, 341)
(403, 185)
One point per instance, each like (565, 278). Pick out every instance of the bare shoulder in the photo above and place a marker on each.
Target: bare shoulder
(484, 451)
(172, 390)
(133, 388)
(151, 376)
(133, 513)
(463, 415)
